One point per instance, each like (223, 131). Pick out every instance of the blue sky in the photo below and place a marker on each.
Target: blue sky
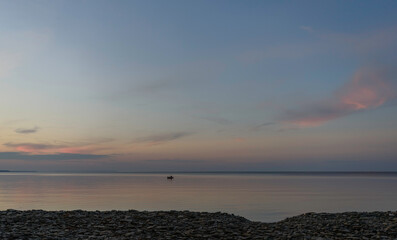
(198, 85)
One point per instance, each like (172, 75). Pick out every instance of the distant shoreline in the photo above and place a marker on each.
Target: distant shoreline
(223, 172)
(133, 224)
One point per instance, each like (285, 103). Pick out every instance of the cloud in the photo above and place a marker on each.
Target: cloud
(27, 130)
(369, 44)
(59, 156)
(369, 88)
(208, 111)
(13, 121)
(218, 120)
(173, 161)
(260, 126)
(8, 62)
(70, 148)
(17, 46)
(363, 43)
(239, 139)
(170, 82)
(162, 138)
(33, 147)
(306, 28)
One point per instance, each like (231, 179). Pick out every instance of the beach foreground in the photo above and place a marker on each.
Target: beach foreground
(38, 224)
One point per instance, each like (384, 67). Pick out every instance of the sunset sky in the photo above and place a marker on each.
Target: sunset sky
(198, 85)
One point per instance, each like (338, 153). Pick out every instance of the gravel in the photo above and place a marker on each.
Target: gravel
(78, 224)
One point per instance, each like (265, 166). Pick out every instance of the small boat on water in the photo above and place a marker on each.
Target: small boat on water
(170, 177)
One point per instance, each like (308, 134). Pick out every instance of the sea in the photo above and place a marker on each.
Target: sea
(257, 196)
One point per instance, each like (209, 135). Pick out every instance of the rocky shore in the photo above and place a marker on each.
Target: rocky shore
(38, 224)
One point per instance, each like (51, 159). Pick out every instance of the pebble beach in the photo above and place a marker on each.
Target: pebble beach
(78, 224)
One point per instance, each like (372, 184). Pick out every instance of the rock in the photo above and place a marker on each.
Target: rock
(38, 224)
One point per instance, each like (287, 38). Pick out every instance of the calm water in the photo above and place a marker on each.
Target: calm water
(260, 197)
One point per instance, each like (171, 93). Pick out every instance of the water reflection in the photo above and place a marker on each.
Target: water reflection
(261, 197)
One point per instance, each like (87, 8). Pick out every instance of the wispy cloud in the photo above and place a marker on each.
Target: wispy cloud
(162, 138)
(363, 43)
(369, 43)
(368, 89)
(27, 130)
(17, 46)
(59, 156)
(239, 139)
(260, 126)
(218, 120)
(69, 148)
(306, 28)
(164, 82)
(173, 161)
(33, 147)
(208, 111)
(13, 121)
(8, 61)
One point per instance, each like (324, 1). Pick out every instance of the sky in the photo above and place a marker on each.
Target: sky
(198, 85)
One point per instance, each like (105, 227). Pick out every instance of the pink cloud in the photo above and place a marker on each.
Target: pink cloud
(312, 121)
(80, 150)
(369, 88)
(35, 148)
